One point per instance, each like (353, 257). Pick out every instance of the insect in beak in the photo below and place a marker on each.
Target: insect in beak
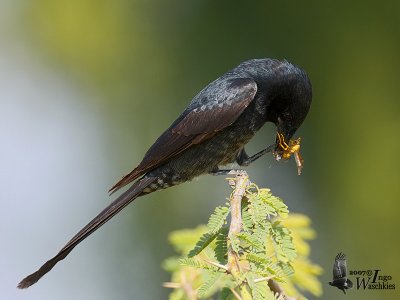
(285, 150)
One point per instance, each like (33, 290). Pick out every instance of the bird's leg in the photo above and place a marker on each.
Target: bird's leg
(242, 155)
(218, 171)
(244, 160)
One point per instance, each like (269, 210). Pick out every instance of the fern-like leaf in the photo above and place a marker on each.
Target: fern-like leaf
(204, 241)
(221, 246)
(225, 294)
(285, 249)
(251, 240)
(234, 243)
(263, 266)
(287, 269)
(257, 209)
(217, 219)
(198, 264)
(278, 205)
(208, 287)
(264, 247)
(261, 291)
(246, 217)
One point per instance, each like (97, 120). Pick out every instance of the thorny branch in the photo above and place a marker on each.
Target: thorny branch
(239, 183)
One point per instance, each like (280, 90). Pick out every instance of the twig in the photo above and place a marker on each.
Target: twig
(215, 264)
(276, 289)
(236, 294)
(187, 287)
(263, 279)
(239, 183)
(172, 285)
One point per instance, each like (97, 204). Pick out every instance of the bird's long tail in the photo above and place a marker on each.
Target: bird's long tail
(115, 207)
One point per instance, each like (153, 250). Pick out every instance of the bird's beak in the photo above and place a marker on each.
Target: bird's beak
(283, 136)
(285, 130)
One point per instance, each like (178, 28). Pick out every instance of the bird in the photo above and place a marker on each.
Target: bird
(340, 279)
(211, 133)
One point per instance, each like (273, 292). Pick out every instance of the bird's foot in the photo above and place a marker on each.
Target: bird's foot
(224, 172)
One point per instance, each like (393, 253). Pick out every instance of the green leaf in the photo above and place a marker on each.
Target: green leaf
(285, 249)
(263, 266)
(225, 294)
(195, 263)
(251, 240)
(266, 247)
(287, 269)
(205, 290)
(261, 291)
(217, 219)
(204, 241)
(234, 243)
(257, 209)
(246, 217)
(221, 246)
(258, 258)
(277, 203)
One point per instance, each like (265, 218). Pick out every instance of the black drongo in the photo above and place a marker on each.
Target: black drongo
(212, 132)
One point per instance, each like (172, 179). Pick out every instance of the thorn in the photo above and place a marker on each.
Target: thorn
(172, 285)
(217, 265)
(263, 279)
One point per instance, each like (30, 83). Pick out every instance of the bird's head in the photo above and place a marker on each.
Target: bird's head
(293, 106)
(290, 102)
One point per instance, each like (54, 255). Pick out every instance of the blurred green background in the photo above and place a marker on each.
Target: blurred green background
(86, 86)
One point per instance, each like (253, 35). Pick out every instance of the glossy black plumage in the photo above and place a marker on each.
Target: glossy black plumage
(340, 279)
(210, 133)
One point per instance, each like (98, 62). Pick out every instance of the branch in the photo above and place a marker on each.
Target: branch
(239, 184)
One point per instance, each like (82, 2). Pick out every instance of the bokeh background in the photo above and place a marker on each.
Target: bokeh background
(86, 86)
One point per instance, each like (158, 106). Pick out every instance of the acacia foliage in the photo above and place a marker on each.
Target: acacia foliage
(272, 245)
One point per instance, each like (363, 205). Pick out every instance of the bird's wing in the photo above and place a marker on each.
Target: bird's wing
(215, 108)
(340, 267)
